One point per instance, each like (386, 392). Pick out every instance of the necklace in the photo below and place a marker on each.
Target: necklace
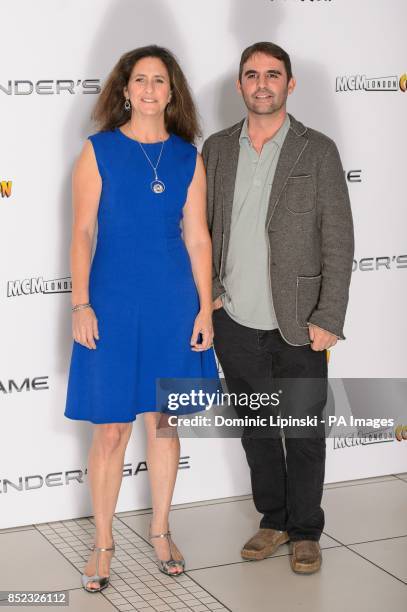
(156, 185)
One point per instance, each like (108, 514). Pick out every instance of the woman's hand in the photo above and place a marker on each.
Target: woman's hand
(85, 327)
(203, 325)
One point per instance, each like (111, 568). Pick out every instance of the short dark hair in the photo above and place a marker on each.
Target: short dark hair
(267, 48)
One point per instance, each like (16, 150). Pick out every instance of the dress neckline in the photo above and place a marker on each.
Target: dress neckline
(139, 141)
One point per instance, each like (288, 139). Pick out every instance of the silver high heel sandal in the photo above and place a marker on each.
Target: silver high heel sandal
(103, 581)
(165, 566)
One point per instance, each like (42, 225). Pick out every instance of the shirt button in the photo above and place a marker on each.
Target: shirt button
(257, 183)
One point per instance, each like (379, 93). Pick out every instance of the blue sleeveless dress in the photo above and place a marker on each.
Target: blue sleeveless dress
(140, 285)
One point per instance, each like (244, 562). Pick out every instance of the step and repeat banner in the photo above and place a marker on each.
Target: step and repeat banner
(350, 63)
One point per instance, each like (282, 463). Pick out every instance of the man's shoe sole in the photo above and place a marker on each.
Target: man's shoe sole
(306, 568)
(259, 555)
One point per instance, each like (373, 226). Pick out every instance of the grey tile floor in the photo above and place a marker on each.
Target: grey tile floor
(364, 558)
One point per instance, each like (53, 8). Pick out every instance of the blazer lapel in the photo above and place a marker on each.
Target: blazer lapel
(292, 149)
(228, 164)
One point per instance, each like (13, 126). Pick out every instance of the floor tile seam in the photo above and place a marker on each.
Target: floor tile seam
(362, 484)
(14, 529)
(209, 593)
(64, 539)
(78, 537)
(70, 562)
(214, 503)
(242, 562)
(131, 543)
(55, 547)
(186, 573)
(156, 578)
(190, 577)
(399, 478)
(347, 546)
(285, 555)
(377, 540)
(146, 511)
(93, 525)
(74, 566)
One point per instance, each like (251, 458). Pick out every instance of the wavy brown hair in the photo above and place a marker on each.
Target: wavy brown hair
(180, 114)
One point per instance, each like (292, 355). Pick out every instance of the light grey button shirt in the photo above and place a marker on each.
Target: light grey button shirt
(246, 279)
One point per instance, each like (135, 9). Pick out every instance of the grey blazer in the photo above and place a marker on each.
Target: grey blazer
(309, 225)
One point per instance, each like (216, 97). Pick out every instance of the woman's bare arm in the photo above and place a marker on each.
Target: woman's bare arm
(199, 247)
(86, 190)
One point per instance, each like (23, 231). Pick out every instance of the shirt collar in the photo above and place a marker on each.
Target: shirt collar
(278, 137)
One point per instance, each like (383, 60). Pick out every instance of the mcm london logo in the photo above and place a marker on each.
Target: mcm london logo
(30, 286)
(361, 82)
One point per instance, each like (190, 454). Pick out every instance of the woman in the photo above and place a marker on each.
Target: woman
(143, 303)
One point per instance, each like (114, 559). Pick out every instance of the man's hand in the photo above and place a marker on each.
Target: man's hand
(217, 303)
(320, 338)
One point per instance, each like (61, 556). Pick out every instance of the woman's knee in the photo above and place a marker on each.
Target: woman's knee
(112, 436)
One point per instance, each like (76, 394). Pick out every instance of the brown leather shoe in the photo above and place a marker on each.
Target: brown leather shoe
(263, 544)
(306, 557)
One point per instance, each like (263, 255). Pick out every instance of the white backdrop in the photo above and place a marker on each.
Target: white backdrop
(52, 54)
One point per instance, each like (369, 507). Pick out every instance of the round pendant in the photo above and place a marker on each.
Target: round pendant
(157, 186)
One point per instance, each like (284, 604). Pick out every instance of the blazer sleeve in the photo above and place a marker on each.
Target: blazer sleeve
(209, 181)
(208, 156)
(337, 244)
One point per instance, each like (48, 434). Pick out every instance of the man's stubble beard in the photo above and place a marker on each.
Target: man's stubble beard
(265, 111)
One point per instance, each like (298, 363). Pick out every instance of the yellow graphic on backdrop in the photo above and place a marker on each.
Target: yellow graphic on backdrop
(5, 188)
(401, 432)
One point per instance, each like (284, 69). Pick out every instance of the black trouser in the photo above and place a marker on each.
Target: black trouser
(287, 486)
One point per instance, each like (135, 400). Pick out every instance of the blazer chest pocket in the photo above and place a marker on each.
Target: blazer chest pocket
(307, 296)
(300, 194)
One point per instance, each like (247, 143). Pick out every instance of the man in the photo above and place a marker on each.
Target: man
(282, 232)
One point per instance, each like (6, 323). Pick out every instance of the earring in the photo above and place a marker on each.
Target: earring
(127, 104)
